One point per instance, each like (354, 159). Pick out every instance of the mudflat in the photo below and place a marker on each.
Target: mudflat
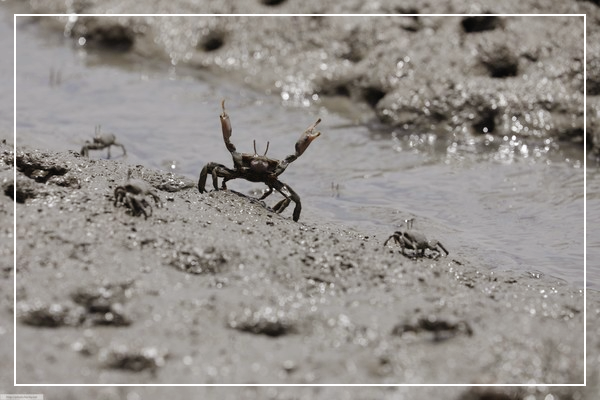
(218, 288)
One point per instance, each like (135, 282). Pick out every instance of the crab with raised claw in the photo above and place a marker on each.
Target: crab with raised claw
(258, 168)
(416, 241)
(133, 194)
(101, 141)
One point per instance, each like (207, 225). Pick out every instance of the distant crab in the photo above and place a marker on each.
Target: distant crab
(416, 241)
(101, 141)
(133, 194)
(258, 168)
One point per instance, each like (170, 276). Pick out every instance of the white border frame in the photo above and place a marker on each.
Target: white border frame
(15, 16)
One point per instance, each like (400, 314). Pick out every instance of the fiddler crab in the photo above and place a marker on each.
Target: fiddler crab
(133, 194)
(101, 141)
(258, 168)
(416, 241)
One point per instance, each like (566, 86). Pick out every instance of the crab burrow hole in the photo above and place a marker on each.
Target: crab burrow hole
(212, 41)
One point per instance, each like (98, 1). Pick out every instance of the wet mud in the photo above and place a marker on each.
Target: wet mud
(218, 288)
(491, 75)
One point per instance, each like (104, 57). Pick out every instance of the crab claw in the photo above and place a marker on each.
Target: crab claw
(225, 124)
(307, 137)
(226, 128)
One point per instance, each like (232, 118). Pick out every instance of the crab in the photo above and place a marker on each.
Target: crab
(101, 141)
(133, 194)
(258, 168)
(415, 241)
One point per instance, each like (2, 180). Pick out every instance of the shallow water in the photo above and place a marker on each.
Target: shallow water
(513, 205)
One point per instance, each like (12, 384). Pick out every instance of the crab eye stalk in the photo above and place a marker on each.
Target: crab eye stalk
(307, 137)
(256, 153)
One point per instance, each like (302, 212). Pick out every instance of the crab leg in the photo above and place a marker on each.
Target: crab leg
(404, 243)
(279, 207)
(85, 150)
(397, 236)
(119, 145)
(403, 240)
(204, 173)
(138, 206)
(157, 200)
(216, 170)
(119, 195)
(443, 248)
(267, 193)
(390, 238)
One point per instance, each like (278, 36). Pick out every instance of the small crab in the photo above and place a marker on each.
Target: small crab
(415, 241)
(133, 194)
(101, 141)
(258, 168)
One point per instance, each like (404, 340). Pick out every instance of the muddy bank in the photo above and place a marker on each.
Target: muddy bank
(468, 78)
(217, 322)
(217, 288)
(6, 267)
